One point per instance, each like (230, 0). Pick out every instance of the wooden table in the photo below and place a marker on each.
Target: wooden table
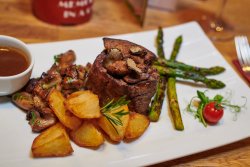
(113, 17)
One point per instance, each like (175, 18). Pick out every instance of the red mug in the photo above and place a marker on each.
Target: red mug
(63, 12)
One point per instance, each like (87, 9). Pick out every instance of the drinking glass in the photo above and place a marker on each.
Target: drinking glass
(215, 27)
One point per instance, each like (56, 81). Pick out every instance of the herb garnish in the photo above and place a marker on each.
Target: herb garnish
(115, 117)
(70, 80)
(33, 119)
(48, 86)
(19, 96)
(202, 100)
(56, 59)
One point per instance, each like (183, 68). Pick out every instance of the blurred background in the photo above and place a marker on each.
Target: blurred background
(17, 18)
(110, 17)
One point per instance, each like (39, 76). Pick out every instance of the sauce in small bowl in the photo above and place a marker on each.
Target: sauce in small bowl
(16, 64)
(12, 61)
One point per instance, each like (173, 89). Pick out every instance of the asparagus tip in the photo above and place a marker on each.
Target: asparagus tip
(215, 84)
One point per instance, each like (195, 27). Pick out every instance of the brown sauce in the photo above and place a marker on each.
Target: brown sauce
(12, 61)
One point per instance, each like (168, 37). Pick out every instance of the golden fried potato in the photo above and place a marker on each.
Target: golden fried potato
(137, 125)
(87, 135)
(115, 132)
(53, 142)
(83, 104)
(56, 103)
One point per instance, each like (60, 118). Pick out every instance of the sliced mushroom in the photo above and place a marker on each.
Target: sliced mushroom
(44, 85)
(74, 77)
(31, 85)
(137, 59)
(66, 59)
(132, 65)
(118, 68)
(138, 51)
(40, 120)
(39, 91)
(53, 70)
(51, 81)
(140, 63)
(115, 54)
(23, 100)
(81, 72)
(38, 102)
(71, 71)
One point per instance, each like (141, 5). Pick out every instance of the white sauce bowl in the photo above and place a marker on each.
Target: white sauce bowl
(11, 84)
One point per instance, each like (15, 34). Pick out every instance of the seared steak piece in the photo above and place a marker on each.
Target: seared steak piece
(124, 68)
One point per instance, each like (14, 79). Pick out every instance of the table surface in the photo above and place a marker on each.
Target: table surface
(17, 20)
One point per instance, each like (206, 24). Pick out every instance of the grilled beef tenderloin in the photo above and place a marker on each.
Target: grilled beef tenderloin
(124, 68)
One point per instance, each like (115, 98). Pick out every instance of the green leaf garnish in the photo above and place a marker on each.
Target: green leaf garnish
(19, 96)
(197, 111)
(70, 80)
(202, 96)
(33, 118)
(56, 59)
(218, 98)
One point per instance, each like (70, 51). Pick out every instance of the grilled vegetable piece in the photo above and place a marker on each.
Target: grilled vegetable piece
(210, 83)
(87, 135)
(53, 142)
(171, 90)
(137, 125)
(83, 104)
(56, 103)
(185, 67)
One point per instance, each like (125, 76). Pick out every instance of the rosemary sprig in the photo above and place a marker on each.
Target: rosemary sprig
(114, 118)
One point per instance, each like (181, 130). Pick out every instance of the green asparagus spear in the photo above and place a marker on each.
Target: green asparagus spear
(176, 48)
(159, 43)
(203, 71)
(173, 104)
(156, 104)
(210, 83)
(171, 90)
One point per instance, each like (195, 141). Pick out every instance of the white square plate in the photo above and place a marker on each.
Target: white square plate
(160, 142)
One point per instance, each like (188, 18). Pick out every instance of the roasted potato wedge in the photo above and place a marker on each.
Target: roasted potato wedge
(53, 142)
(83, 104)
(115, 132)
(137, 125)
(87, 135)
(56, 103)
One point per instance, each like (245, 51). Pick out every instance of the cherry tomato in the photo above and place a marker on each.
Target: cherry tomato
(213, 112)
